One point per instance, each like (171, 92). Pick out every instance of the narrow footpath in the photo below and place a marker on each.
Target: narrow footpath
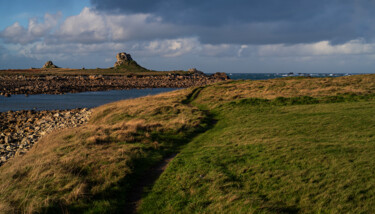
(145, 182)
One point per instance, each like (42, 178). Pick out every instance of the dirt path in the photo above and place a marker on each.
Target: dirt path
(145, 183)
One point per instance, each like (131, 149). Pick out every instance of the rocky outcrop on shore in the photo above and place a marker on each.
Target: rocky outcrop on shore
(20, 130)
(50, 84)
(49, 64)
(122, 58)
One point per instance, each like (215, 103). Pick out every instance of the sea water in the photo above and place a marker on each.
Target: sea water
(72, 100)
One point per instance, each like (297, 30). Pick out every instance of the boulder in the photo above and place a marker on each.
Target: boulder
(49, 64)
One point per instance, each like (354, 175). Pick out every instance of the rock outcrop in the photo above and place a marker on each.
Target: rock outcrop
(123, 59)
(49, 64)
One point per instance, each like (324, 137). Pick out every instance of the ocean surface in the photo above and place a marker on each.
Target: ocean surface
(72, 100)
(97, 98)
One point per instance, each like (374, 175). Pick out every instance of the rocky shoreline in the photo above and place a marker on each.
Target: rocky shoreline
(54, 84)
(20, 130)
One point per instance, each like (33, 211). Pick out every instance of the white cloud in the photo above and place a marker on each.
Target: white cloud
(15, 34)
(323, 48)
(87, 27)
(35, 31)
(93, 27)
(170, 47)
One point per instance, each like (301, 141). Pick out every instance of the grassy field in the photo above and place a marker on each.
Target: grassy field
(293, 145)
(262, 158)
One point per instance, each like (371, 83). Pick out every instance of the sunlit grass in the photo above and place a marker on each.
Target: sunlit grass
(285, 145)
(295, 158)
(93, 167)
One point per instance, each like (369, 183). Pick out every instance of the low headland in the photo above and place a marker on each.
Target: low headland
(126, 74)
(289, 145)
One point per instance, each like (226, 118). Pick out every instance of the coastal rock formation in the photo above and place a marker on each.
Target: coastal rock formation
(123, 59)
(49, 64)
(53, 84)
(20, 130)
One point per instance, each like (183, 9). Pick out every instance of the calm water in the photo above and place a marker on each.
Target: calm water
(71, 101)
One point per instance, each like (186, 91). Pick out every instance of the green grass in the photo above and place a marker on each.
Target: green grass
(300, 145)
(131, 66)
(262, 158)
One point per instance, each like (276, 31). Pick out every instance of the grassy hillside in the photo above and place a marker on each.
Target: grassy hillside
(286, 145)
(92, 168)
(262, 158)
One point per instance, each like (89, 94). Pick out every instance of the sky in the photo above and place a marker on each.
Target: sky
(239, 36)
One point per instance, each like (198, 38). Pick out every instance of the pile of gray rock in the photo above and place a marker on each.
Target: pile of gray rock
(20, 130)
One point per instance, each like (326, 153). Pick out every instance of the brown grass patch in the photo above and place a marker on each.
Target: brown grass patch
(287, 87)
(77, 164)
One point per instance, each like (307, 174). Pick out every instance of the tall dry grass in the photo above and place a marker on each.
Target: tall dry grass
(68, 168)
(287, 87)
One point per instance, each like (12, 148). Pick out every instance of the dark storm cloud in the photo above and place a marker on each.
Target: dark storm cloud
(215, 12)
(258, 21)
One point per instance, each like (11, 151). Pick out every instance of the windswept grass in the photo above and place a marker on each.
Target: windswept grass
(92, 168)
(294, 145)
(279, 146)
(263, 158)
(287, 87)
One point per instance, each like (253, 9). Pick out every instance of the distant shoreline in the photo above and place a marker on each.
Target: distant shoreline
(60, 81)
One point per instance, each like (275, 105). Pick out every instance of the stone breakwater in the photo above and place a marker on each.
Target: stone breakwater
(21, 84)
(20, 130)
